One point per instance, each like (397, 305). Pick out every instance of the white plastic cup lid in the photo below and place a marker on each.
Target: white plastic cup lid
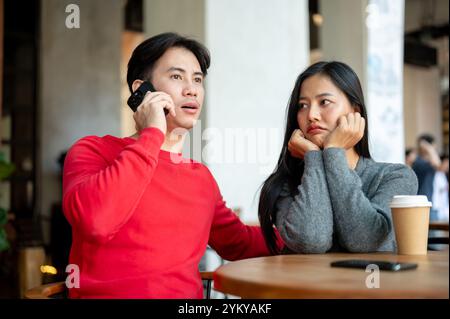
(400, 201)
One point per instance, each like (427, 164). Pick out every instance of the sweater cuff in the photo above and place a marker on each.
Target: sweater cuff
(313, 158)
(335, 156)
(151, 139)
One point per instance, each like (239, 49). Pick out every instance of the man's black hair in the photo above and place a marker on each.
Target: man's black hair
(148, 52)
(408, 151)
(426, 137)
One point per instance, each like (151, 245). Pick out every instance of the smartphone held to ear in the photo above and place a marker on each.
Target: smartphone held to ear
(137, 96)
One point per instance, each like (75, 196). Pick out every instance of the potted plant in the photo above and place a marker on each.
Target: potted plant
(6, 169)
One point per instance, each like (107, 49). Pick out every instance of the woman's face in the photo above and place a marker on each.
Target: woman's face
(321, 104)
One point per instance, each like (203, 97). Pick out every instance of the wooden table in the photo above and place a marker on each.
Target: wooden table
(439, 226)
(311, 276)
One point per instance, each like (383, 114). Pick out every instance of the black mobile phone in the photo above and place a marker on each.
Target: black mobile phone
(382, 265)
(136, 98)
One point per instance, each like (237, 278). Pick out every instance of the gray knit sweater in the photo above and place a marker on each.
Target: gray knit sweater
(340, 209)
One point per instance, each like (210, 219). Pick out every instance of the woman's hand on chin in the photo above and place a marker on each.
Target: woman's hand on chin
(349, 131)
(298, 145)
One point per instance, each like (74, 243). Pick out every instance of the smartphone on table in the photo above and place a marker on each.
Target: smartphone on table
(382, 265)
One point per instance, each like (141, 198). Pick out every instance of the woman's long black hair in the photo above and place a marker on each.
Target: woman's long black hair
(290, 169)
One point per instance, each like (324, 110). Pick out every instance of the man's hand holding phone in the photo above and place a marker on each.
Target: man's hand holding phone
(151, 111)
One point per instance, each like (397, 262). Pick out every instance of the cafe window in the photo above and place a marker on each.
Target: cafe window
(19, 138)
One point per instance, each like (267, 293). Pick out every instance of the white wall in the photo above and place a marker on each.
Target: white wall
(343, 36)
(79, 83)
(423, 113)
(258, 48)
(384, 77)
(368, 36)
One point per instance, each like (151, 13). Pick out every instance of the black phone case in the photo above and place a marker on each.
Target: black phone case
(382, 265)
(136, 98)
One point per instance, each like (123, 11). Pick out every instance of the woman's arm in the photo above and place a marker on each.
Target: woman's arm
(363, 223)
(305, 221)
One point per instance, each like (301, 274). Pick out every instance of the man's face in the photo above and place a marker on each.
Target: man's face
(178, 73)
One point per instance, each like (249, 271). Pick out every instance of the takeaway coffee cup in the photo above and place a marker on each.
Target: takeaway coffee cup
(411, 215)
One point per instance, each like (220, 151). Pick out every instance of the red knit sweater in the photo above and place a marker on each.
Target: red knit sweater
(141, 220)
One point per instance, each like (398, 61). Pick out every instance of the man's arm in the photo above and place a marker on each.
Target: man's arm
(430, 154)
(232, 239)
(100, 197)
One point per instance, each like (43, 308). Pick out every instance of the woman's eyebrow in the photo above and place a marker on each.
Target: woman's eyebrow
(323, 94)
(318, 95)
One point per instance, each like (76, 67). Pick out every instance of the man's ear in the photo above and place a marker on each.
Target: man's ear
(136, 84)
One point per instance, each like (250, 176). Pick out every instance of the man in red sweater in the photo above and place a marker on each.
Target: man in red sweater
(141, 215)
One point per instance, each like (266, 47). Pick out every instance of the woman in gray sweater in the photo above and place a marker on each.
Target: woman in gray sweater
(326, 193)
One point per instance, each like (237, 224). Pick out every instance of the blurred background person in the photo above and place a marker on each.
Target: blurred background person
(410, 156)
(440, 190)
(425, 166)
